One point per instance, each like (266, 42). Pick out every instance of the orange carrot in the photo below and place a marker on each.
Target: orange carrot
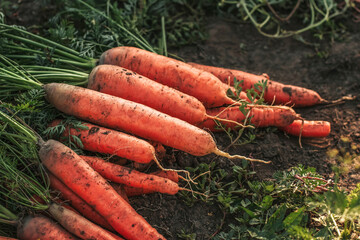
(40, 227)
(7, 238)
(104, 140)
(79, 204)
(275, 92)
(121, 82)
(75, 173)
(176, 74)
(78, 225)
(118, 113)
(130, 177)
(316, 129)
(262, 116)
(119, 188)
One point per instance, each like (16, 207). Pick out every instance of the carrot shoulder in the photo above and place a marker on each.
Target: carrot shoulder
(74, 172)
(176, 74)
(109, 141)
(275, 92)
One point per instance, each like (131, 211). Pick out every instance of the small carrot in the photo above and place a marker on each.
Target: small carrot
(78, 225)
(103, 140)
(118, 113)
(40, 227)
(275, 92)
(78, 203)
(75, 173)
(316, 129)
(261, 116)
(121, 82)
(176, 74)
(130, 177)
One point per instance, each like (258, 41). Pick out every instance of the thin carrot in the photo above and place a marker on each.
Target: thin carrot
(78, 225)
(176, 74)
(261, 116)
(130, 177)
(40, 227)
(103, 140)
(118, 113)
(121, 82)
(75, 173)
(275, 92)
(316, 129)
(78, 203)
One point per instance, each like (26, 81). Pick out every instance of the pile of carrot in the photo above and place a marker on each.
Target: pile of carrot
(135, 96)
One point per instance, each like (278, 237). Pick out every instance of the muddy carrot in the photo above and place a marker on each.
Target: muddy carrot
(261, 116)
(79, 204)
(316, 129)
(118, 113)
(109, 141)
(275, 92)
(130, 177)
(176, 74)
(75, 173)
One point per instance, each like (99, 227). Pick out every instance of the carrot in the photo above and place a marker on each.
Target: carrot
(75, 173)
(130, 177)
(135, 118)
(119, 188)
(7, 238)
(104, 140)
(40, 227)
(78, 203)
(275, 92)
(262, 116)
(129, 85)
(78, 225)
(316, 129)
(176, 74)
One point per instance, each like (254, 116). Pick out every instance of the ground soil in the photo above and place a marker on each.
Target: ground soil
(331, 69)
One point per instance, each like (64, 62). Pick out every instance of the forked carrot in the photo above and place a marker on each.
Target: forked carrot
(176, 74)
(121, 82)
(75, 173)
(130, 177)
(261, 116)
(316, 129)
(135, 118)
(275, 92)
(109, 141)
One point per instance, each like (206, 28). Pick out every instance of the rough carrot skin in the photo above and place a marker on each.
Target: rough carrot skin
(78, 225)
(135, 118)
(40, 227)
(275, 92)
(75, 173)
(176, 74)
(79, 204)
(262, 117)
(119, 174)
(104, 140)
(7, 238)
(124, 83)
(316, 129)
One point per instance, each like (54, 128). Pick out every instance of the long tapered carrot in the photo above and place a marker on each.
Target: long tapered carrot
(109, 141)
(118, 113)
(78, 203)
(261, 116)
(133, 178)
(78, 225)
(74, 172)
(176, 74)
(316, 129)
(124, 83)
(275, 92)
(40, 227)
